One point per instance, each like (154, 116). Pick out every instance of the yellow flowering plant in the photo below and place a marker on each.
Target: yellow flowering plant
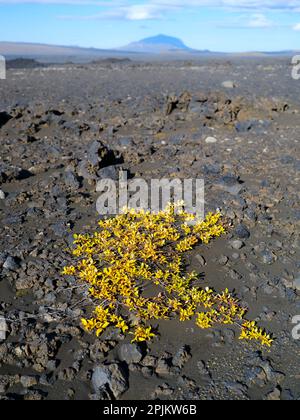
(139, 251)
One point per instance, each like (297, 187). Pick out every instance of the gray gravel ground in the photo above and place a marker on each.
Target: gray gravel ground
(153, 120)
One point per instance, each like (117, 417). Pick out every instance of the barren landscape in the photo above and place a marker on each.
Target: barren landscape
(233, 122)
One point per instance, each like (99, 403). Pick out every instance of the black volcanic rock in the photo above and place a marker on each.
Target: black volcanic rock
(23, 63)
(4, 118)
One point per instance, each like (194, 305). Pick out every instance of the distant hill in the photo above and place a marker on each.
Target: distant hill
(57, 53)
(23, 63)
(158, 47)
(159, 44)
(154, 46)
(287, 53)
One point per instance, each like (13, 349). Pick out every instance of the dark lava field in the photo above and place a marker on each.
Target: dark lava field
(232, 122)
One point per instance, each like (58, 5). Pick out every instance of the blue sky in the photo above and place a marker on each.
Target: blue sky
(219, 25)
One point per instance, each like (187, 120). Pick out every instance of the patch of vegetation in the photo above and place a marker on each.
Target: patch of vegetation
(137, 250)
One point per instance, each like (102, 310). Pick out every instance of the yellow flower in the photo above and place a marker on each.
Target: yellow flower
(250, 331)
(186, 314)
(143, 334)
(69, 271)
(121, 324)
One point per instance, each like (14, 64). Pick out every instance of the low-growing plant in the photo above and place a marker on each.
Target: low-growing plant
(139, 251)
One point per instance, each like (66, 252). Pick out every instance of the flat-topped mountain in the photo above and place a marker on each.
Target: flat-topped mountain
(158, 44)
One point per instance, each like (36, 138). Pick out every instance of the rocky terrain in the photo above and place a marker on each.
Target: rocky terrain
(234, 123)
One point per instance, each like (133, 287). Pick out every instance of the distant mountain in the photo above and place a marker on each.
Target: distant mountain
(157, 47)
(287, 53)
(158, 44)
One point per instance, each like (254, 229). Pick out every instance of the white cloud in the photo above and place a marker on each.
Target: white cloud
(252, 20)
(105, 3)
(260, 21)
(297, 27)
(246, 4)
(143, 12)
(138, 10)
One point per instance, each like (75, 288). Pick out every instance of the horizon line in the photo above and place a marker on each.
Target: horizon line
(120, 49)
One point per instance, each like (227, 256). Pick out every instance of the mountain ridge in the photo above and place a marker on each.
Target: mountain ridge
(158, 47)
(158, 44)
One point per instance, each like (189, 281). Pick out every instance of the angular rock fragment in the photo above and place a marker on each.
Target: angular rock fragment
(111, 375)
(4, 118)
(130, 353)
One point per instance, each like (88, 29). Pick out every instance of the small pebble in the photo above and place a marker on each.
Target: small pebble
(228, 84)
(211, 140)
(237, 244)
